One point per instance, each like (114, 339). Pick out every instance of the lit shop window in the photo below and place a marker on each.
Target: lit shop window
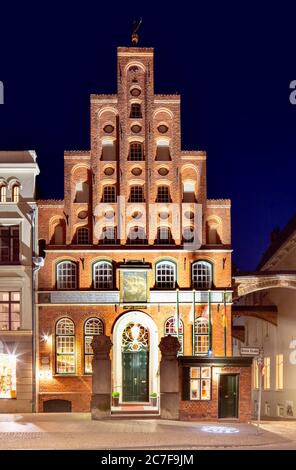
(7, 376)
(200, 383)
(279, 373)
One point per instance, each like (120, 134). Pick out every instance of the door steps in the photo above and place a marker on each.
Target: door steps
(135, 410)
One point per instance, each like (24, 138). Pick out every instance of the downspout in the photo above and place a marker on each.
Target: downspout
(37, 262)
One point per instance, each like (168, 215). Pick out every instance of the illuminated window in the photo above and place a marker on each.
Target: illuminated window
(170, 329)
(65, 346)
(82, 237)
(201, 275)
(137, 194)
(165, 277)
(92, 327)
(66, 275)
(255, 374)
(10, 308)
(7, 376)
(109, 194)
(200, 383)
(136, 152)
(279, 375)
(103, 275)
(201, 336)
(9, 245)
(3, 193)
(266, 374)
(15, 193)
(163, 194)
(136, 112)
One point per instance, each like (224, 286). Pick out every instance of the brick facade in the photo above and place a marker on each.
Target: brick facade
(108, 163)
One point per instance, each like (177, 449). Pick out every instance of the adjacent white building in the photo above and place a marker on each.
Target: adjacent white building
(18, 171)
(276, 336)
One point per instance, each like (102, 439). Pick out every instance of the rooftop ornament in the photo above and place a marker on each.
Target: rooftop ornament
(135, 36)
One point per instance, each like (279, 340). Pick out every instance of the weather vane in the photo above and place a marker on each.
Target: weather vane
(135, 36)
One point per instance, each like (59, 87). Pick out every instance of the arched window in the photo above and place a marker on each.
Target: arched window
(165, 276)
(170, 329)
(136, 112)
(66, 275)
(137, 193)
(201, 336)
(109, 194)
(137, 236)
(103, 275)
(202, 276)
(163, 194)
(92, 327)
(136, 153)
(82, 237)
(3, 193)
(164, 236)
(65, 346)
(15, 193)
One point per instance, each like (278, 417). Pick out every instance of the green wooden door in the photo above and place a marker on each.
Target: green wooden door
(228, 395)
(135, 376)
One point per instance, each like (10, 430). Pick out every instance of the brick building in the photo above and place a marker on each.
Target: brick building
(135, 249)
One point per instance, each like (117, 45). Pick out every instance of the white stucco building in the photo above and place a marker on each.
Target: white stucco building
(18, 171)
(275, 333)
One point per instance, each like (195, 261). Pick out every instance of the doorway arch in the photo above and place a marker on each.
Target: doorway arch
(140, 318)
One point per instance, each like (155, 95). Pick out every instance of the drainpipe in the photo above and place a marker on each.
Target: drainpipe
(37, 262)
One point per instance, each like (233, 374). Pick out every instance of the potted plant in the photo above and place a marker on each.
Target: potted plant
(153, 398)
(115, 398)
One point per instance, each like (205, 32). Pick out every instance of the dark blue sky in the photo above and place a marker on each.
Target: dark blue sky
(232, 62)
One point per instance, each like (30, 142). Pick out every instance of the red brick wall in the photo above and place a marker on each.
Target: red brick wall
(208, 410)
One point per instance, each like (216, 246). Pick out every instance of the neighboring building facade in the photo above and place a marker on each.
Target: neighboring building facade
(135, 249)
(274, 285)
(18, 171)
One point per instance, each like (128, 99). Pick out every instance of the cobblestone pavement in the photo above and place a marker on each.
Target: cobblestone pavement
(77, 431)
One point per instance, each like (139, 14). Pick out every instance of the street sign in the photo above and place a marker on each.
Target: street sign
(250, 351)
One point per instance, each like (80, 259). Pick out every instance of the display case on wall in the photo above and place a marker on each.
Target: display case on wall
(7, 376)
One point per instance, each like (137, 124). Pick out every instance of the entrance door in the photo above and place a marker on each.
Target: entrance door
(228, 395)
(135, 376)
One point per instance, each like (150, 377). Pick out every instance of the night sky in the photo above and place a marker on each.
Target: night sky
(232, 63)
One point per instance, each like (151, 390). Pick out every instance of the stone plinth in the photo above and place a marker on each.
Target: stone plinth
(169, 378)
(101, 380)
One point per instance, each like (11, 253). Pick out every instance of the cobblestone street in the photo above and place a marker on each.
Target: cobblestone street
(77, 431)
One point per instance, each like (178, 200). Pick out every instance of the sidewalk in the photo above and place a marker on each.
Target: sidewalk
(77, 431)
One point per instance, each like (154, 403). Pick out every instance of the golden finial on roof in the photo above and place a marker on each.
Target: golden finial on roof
(135, 36)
